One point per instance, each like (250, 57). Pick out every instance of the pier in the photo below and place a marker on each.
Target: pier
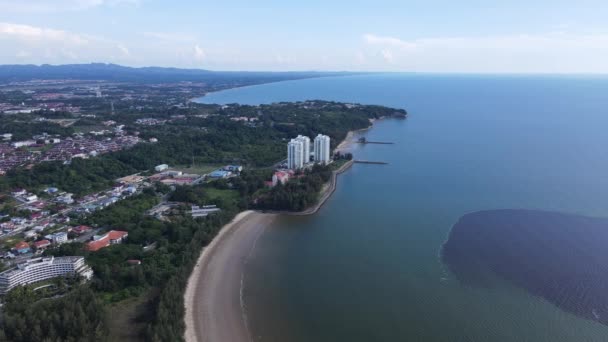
(376, 142)
(365, 141)
(370, 162)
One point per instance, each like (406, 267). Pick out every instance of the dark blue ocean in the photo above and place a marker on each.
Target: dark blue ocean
(367, 267)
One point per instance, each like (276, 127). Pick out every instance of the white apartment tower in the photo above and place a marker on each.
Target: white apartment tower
(322, 149)
(295, 151)
(306, 148)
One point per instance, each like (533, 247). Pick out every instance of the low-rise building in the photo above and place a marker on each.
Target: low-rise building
(22, 247)
(233, 168)
(110, 238)
(281, 177)
(42, 244)
(220, 174)
(23, 143)
(30, 234)
(58, 238)
(204, 210)
(81, 229)
(161, 167)
(39, 269)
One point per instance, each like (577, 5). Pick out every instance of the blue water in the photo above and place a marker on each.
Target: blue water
(366, 267)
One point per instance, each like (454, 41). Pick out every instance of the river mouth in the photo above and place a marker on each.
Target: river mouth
(556, 256)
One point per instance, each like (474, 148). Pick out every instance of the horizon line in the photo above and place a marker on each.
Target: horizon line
(488, 73)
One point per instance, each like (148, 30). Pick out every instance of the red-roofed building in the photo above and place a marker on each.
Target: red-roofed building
(36, 216)
(281, 176)
(22, 247)
(42, 244)
(110, 238)
(81, 229)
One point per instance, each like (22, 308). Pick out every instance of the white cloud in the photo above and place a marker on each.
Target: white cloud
(387, 55)
(123, 49)
(23, 54)
(554, 52)
(60, 5)
(170, 36)
(199, 53)
(388, 41)
(27, 32)
(49, 45)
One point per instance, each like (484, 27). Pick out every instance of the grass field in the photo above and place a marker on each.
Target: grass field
(226, 195)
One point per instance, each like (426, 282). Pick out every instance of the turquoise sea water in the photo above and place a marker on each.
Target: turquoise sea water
(367, 266)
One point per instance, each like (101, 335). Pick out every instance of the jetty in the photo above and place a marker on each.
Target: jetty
(365, 141)
(370, 162)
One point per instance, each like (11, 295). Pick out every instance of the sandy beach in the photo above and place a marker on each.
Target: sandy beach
(347, 143)
(214, 308)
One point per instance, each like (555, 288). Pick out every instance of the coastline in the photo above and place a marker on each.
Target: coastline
(325, 193)
(214, 309)
(347, 143)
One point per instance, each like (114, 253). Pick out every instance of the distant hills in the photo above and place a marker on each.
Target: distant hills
(118, 73)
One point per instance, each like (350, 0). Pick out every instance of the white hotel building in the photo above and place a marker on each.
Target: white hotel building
(39, 269)
(322, 148)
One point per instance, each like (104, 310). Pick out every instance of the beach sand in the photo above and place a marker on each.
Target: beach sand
(213, 298)
(346, 144)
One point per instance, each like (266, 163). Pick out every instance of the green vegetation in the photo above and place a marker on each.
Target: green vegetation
(23, 127)
(78, 316)
(80, 177)
(297, 194)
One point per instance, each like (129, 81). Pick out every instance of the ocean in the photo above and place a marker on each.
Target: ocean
(368, 266)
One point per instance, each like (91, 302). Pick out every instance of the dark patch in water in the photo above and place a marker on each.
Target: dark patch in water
(560, 257)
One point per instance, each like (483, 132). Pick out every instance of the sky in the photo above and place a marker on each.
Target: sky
(466, 36)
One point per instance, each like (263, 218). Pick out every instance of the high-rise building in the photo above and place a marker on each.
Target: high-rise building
(306, 148)
(295, 151)
(322, 149)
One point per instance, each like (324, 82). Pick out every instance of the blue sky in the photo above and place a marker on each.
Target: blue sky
(540, 36)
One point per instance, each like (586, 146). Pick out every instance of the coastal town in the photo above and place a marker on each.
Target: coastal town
(105, 185)
(47, 222)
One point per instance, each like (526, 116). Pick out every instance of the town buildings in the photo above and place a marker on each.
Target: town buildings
(322, 148)
(39, 269)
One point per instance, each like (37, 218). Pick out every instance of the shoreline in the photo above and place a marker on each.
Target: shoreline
(347, 143)
(213, 300)
(328, 189)
(214, 308)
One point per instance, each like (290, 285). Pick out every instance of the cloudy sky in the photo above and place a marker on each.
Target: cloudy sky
(489, 36)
